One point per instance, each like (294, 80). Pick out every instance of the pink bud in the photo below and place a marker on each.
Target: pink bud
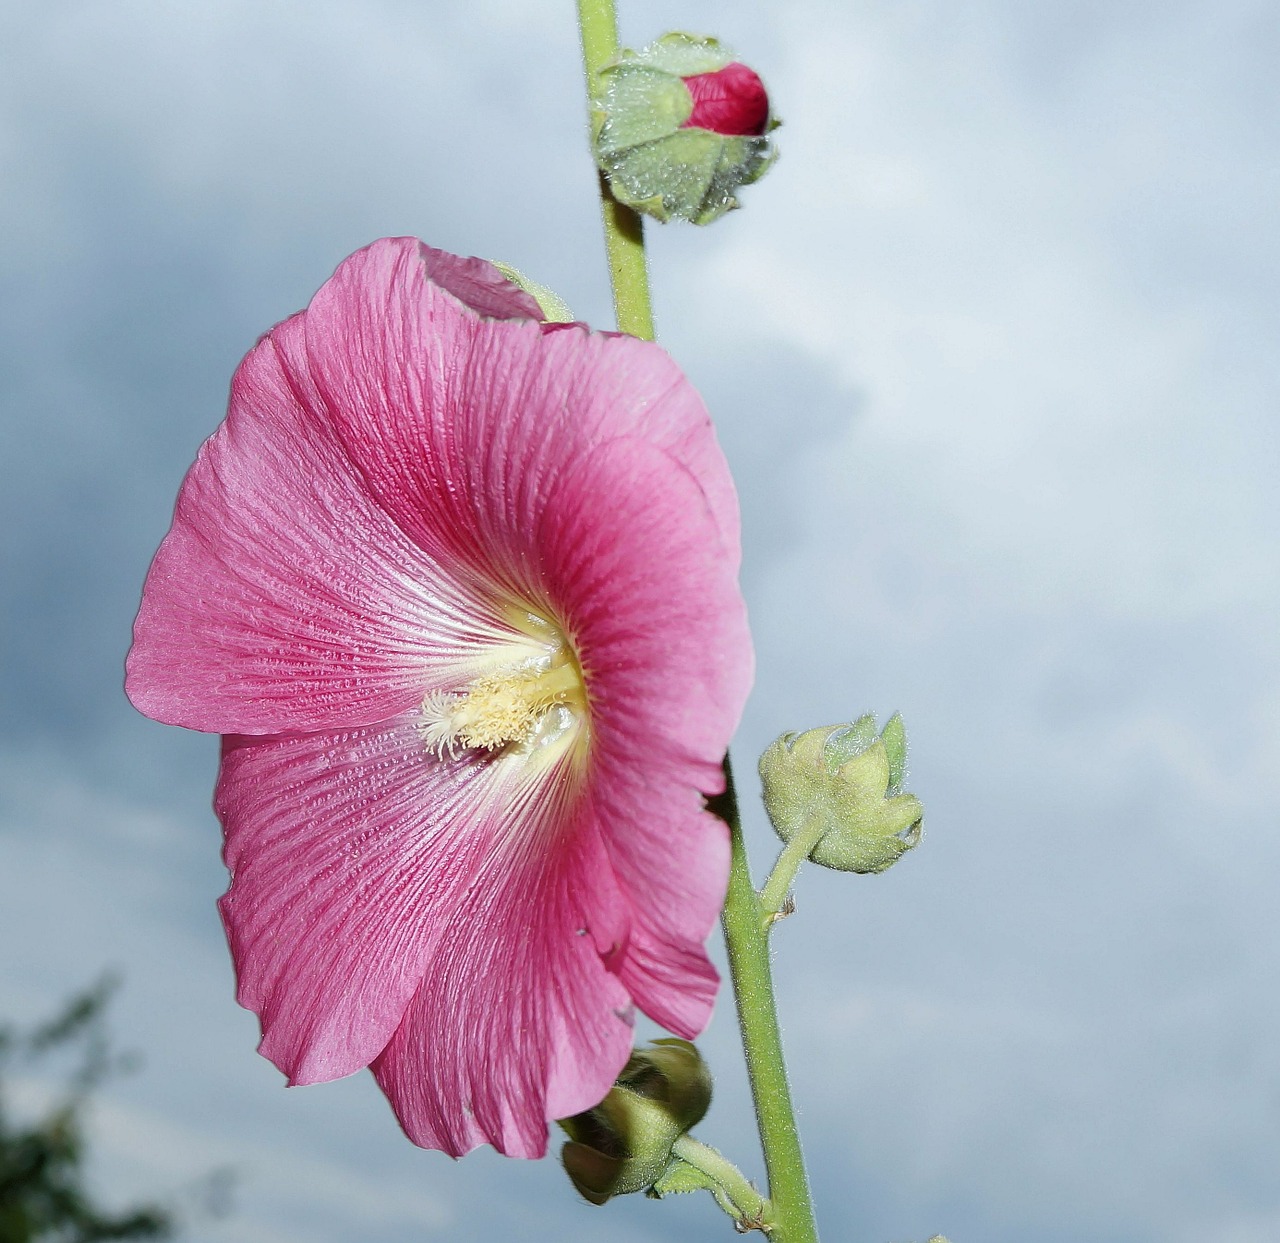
(731, 100)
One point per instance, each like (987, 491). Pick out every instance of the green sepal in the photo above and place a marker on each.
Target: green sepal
(682, 55)
(842, 744)
(681, 1177)
(894, 737)
(555, 310)
(644, 105)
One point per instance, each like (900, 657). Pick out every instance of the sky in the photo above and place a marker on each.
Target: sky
(992, 353)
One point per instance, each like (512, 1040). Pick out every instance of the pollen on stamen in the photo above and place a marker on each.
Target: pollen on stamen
(494, 711)
(498, 709)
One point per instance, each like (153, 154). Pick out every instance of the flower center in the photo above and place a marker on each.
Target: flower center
(534, 698)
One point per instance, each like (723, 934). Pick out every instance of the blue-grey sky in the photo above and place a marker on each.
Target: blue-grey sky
(993, 354)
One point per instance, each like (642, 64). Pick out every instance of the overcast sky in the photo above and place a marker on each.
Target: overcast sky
(992, 352)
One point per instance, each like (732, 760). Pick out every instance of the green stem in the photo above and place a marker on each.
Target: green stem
(747, 940)
(623, 228)
(774, 894)
(744, 926)
(749, 1206)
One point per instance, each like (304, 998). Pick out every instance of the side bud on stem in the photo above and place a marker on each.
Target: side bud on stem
(834, 795)
(679, 126)
(624, 1144)
(637, 1138)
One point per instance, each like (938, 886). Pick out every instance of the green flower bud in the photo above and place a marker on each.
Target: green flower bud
(679, 126)
(841, 786)
(624, 1143)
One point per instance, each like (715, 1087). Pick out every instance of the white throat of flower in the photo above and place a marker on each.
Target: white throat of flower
(530, 698)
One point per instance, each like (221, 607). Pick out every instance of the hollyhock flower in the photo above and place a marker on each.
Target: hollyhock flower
(459, 589)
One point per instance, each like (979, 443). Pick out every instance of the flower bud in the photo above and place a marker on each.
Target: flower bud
(679, 126)
(841, 785)
(624, 1143)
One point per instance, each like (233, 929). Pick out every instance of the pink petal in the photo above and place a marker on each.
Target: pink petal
(363, 872)
(476, 283)
(664, 644)
(283, 597)
(339, 542)
(731, 100)
(363, 866)
(455, 421)
(667, 670)
(653, 604)
(518, 1021)
(672, 858)
(350, 854)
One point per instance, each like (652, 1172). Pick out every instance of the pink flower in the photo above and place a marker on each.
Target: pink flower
(460, 590)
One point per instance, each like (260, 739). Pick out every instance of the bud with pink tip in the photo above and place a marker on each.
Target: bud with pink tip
(679, 126)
